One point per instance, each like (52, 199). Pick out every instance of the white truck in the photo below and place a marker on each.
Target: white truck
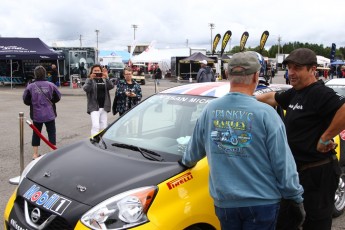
(105, 60)
(280, 58)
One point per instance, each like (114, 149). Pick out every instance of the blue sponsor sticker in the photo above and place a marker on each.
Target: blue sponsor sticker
(50, 201)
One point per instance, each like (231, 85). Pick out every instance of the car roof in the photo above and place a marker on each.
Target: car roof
(218, 89)
(336, 81)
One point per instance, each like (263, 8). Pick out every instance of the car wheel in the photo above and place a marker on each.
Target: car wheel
(200, 227)
(143, 82)
(339, 197)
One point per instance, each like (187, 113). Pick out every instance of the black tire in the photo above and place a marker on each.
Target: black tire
(200, 227)
(339, 197)
(194, 228)
(143, 82)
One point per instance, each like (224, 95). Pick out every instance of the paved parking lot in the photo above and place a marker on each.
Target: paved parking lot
(73, 124)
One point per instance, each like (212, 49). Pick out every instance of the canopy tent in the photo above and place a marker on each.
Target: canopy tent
(107, 53)
(163, 57)
(225, 58)
(338, 62)
(321, 60)
(26, 48)
(195, 57)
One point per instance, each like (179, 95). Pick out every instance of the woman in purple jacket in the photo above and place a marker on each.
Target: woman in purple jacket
(41, 96)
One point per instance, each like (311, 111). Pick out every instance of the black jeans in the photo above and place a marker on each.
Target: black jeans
(320, 184)
(51, 130)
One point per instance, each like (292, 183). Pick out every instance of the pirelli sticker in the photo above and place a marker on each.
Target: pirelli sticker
(180, 180)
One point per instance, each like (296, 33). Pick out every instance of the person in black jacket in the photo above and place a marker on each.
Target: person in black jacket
(157, 74)
(54, 73)
(205, 73)
(97, 88)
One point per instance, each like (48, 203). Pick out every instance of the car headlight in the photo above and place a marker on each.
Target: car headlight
(28, 168)
(122, 211)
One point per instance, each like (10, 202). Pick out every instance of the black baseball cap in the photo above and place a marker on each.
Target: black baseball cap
(301, 56)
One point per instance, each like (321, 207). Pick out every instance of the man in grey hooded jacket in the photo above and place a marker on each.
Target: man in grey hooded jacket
(205, 73)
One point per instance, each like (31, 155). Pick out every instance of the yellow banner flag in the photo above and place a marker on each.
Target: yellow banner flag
(243, 41)
(226, 38)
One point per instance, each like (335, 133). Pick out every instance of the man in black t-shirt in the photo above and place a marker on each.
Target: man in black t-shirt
(54, 73)
(314, 116)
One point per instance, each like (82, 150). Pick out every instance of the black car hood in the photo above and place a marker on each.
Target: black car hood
(102, 173)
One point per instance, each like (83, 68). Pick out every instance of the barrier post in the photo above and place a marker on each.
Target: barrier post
(21, 141)
(15, 180)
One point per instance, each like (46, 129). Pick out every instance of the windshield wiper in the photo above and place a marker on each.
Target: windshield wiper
(100, 140)
(148, 154)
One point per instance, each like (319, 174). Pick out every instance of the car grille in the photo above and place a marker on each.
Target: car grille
(58, 223)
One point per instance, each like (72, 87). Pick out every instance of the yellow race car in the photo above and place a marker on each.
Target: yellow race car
(338, 85)
(127, 176)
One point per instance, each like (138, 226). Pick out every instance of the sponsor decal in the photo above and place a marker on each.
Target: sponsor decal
(215, 43)
(226, 38)
(262, 91)
(263, 40)
(15, 49)
(16, 226)
(53, 202)
(180, 180)
(243, 40)
(196, 100)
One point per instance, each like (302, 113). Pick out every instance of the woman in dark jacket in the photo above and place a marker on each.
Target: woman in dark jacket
(128, 93)
(97, 88)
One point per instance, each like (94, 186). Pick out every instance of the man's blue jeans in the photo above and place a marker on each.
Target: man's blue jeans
(263, 217)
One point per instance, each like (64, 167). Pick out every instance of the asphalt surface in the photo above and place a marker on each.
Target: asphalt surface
(72, 123)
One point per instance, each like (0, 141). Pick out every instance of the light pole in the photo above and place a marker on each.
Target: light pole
(97, 31)
(135, 27)
(279, 40)
(212, 26)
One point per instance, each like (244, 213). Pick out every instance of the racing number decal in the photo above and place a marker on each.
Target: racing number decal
(54, 203)
(60, 206)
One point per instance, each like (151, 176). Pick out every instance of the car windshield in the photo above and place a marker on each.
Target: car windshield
(161, 123)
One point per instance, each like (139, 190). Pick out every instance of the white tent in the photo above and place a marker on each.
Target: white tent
(163, 56)
(325, 62)
(152, 55)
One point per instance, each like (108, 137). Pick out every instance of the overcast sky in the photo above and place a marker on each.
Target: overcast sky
(172, 23)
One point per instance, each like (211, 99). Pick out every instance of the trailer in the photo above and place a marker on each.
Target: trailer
(78, 61)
